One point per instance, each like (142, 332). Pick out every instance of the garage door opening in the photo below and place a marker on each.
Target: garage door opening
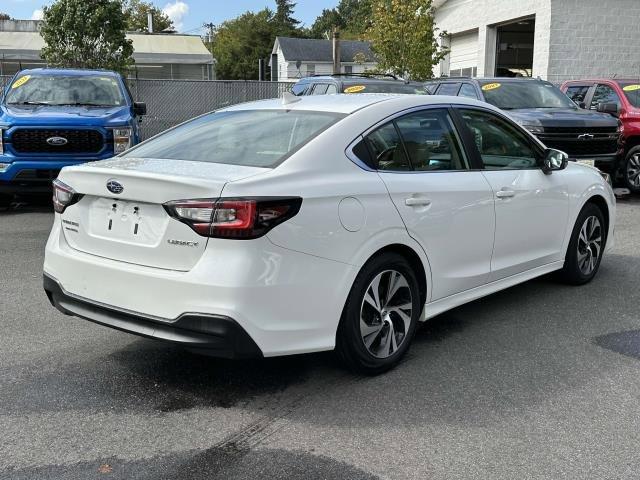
(514, 49)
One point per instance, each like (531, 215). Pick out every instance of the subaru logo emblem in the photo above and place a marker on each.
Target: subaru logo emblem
(115, 187)
(57, 141)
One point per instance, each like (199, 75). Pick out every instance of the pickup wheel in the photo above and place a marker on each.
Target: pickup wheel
(631, 169)
(5, 200)
(586, 247)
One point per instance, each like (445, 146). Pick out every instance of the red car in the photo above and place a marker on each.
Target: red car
(620, 98)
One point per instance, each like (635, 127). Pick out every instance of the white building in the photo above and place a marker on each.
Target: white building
(553, 39)
(303, 57)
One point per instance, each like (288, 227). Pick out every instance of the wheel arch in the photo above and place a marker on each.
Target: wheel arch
(414, 260)
(601, 203)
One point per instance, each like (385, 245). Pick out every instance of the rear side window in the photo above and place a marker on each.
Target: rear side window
(387, 149)
(577, 93)
(467, 90)
(320, 89)
(257, 138)
(430, 140)
(299, 89)
(331, 89)
(448, 89)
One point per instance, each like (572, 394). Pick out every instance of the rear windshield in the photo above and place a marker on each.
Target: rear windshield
(257, 138)
(526, 94)
(385, 87)
(90, 90)
(632, 92)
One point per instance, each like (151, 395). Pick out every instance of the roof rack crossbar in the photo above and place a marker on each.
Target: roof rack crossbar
(365, 75)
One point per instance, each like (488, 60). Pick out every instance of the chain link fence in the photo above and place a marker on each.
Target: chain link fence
(170, 102)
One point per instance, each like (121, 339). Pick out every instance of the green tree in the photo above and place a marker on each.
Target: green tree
(351, 17)
(83, 34)
(137, 11)
(284, 23)
(240, 42)
(403, 36)
(4, 16)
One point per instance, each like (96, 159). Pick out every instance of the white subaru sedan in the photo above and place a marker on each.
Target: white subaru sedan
(316, 223)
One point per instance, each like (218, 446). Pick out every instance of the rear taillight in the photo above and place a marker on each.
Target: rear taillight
(63, 196)
(239, 218)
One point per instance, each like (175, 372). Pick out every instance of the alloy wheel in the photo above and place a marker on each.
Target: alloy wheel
(633, 170)
(385, 313)
(589, 245)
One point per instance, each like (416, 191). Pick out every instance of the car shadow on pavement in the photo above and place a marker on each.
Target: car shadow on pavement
(213, 463)
(28, 205)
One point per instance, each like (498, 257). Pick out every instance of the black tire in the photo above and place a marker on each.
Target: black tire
(5, 200)
(631, 170)
(572, 272)
(350, 341)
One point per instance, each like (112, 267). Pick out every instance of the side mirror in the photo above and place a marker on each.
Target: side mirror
(139, 108)
(610, 108)
(554, 160)
(582, 105)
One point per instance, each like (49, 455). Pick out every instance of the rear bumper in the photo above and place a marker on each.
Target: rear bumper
(213, 335)
(287, 302)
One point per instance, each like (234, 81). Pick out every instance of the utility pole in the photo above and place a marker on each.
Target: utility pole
(210, 26)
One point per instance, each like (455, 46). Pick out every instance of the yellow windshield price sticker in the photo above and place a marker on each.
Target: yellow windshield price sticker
(21, 81)
(491, 86)
(355, 89)
(631, 88)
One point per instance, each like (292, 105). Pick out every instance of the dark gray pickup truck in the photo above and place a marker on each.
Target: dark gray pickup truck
(540, 107)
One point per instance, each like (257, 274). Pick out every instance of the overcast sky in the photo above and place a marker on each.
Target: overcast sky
(188, 15)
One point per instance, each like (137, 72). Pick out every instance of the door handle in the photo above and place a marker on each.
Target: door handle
(417, 202)
(505, 193)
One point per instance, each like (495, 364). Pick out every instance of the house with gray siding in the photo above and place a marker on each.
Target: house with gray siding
(303, 57)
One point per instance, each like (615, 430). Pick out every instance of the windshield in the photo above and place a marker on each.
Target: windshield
(90, 90)
(632, 92)
(257, 138)
(525, 94)
(385, 87)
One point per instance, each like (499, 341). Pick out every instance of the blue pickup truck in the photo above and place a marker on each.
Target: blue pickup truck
(51, 118)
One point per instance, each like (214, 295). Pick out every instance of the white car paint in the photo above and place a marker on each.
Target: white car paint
(287, 289)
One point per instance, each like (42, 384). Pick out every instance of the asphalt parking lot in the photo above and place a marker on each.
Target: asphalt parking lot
(540, 381)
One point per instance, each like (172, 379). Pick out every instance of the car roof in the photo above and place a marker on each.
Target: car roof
(486, 79)
(68, 72)
(350, 103)
(351, 78)
(594, 80)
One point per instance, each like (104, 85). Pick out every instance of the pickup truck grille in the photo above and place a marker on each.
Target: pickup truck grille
(77, 141)
(581, 141)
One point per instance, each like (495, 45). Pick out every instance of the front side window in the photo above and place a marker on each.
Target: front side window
(387, 150)
(89, 90)
(578, 93)
(509, 95)
(501, 145)
(430, 140)
(604, 94)
(257, 138)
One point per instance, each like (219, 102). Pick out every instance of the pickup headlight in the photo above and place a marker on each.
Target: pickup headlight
(535, 129)
(121, 139)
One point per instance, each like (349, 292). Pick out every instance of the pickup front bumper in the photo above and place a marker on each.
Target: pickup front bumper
(32, 176)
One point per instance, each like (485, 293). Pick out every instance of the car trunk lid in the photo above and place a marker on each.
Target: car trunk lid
(132, 226)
